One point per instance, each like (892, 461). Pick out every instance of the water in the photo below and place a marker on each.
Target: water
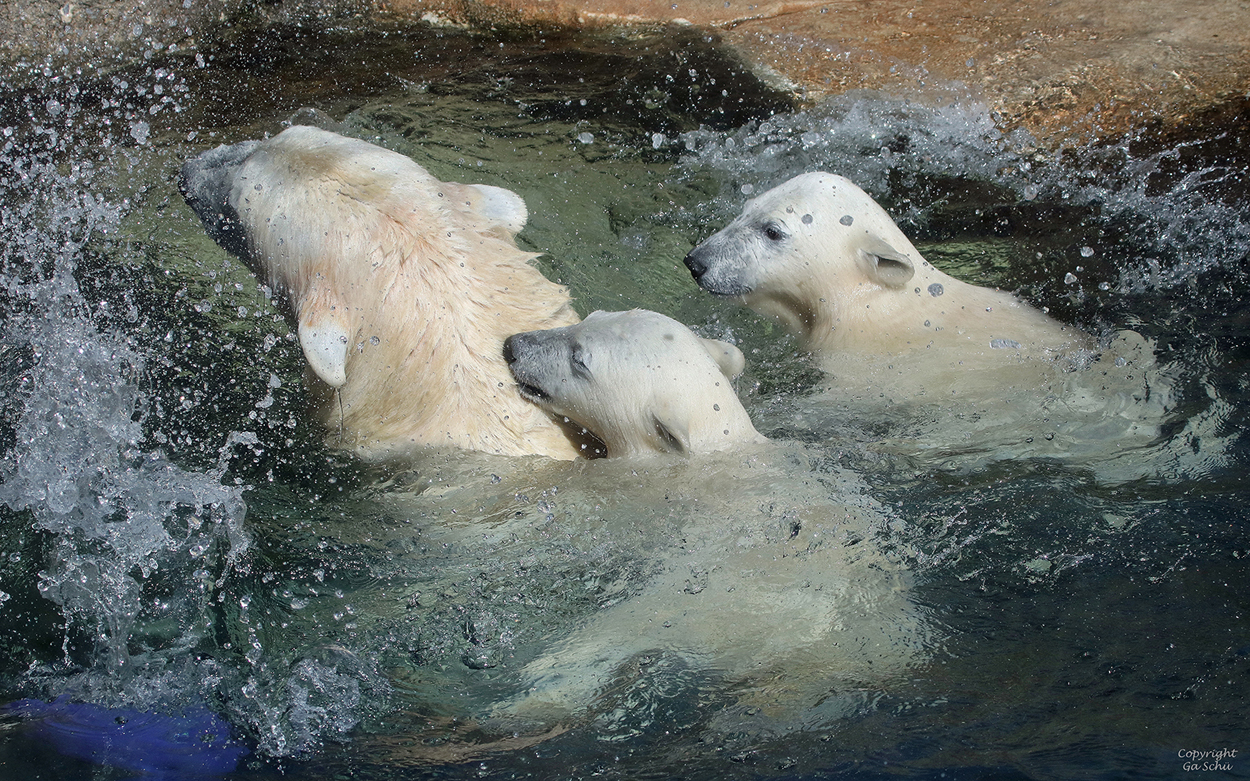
(179, 541)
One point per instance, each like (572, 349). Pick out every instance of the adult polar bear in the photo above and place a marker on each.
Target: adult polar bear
(401, 288)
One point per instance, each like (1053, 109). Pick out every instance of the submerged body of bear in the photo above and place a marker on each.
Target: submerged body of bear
(402, 288)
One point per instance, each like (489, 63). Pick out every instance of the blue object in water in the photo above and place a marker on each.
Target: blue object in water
(194, 745)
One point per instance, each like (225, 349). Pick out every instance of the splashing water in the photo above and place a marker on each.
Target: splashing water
(1174, 217)
(136, 546)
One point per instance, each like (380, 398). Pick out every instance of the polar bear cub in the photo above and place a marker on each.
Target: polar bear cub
(989, 375)
(401, 288)
(639, 381)
(819, 255)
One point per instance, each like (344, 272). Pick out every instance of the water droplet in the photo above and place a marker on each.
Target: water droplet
(1069, 278)
(846, 219)
(1087, 252)
(139, 131)
(807, 219)
(936, 289)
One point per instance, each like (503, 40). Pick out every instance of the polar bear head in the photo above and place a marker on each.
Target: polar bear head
(638, 380)
(803, 249)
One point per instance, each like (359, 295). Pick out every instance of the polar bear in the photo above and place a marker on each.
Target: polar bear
(991, 376)
(639, 381)
(401, 288)
(820, 256)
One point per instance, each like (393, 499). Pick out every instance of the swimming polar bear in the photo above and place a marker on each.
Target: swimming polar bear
(818, 254)
(400, 287)
(638, 380)
(991, 375)
(771, 572)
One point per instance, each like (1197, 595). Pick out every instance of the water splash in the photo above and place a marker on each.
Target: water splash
(1162, 203)
(137, 546)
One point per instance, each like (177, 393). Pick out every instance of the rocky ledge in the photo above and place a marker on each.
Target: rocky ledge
(1063, 69)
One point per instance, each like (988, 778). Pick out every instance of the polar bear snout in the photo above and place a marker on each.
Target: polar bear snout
(530, 357)
(713, 271)
(696, 261)
(206, 182)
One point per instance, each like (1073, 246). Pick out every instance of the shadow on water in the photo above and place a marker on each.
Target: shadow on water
(366, 620)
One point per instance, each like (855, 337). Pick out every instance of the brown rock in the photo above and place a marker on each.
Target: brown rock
(1060, 68)
(1063, 68)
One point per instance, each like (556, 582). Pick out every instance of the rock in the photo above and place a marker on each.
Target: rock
(1060, 69)
(1063, 70)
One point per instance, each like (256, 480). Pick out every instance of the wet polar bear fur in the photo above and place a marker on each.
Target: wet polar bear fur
(401, 288)
(996, 377)
(639, 381)
(770, 581)
(820, 256)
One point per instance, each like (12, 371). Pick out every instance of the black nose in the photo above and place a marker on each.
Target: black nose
(696, 265)
(515, 344)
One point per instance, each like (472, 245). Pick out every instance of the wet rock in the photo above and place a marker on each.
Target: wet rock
(1064, 69)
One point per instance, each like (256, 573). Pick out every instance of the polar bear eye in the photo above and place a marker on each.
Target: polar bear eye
(773, 232)
(577, 359)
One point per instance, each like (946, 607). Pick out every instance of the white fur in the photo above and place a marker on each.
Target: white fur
(639, 381)
(402, 288)
(820, 256)
(987, 375)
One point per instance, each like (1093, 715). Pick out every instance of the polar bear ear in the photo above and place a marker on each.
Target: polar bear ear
(883, 264)
(323, 337)
(496, 207)
(727, 357)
